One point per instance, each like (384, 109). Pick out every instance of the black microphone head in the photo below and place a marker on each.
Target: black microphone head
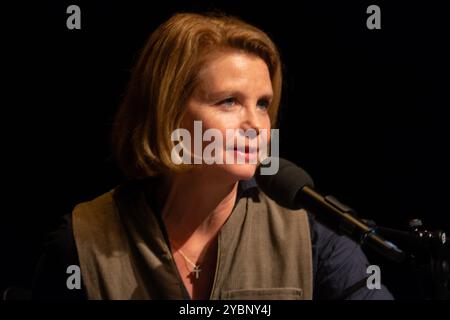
(284, 186)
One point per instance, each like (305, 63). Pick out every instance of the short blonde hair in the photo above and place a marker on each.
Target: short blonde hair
(165, 77)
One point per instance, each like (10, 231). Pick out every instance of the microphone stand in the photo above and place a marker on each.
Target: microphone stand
(418, 248)
(427, 252)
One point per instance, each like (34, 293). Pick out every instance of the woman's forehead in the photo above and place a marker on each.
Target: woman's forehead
(231, 71)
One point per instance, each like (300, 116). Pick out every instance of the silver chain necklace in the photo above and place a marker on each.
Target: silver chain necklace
(196, 267)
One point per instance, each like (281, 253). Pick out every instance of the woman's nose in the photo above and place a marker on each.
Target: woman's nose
(251, 119)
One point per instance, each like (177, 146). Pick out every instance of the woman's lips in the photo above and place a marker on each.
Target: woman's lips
(248, 153)
(246, 149)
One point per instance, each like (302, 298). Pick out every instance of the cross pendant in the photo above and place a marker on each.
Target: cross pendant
(196, 271)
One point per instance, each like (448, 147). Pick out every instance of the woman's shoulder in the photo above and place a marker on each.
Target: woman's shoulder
(340, 266)
(59, 252)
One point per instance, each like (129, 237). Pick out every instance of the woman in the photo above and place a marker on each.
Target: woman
(200, 231)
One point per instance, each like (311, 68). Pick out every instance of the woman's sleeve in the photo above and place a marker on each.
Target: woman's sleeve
(340, 268)
(59, 252)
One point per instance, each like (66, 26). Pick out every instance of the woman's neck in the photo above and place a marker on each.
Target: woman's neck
(196, 206)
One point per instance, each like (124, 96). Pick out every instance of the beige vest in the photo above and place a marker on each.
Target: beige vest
(264, 250)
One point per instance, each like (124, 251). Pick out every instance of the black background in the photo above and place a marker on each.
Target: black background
(364, 111)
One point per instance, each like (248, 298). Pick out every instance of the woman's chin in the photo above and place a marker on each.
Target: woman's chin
(241, 171)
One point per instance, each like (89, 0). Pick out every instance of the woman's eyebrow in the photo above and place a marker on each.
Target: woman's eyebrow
(232, 93)
(267, 96)
(223, 93)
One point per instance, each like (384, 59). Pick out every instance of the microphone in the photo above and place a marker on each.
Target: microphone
(293, 188)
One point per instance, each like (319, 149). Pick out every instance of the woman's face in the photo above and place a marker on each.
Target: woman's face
(233, 92)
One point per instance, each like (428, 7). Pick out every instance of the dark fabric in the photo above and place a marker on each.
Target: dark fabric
(339, 265)
(59, 253)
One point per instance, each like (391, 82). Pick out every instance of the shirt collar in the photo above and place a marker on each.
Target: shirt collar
(244, 186)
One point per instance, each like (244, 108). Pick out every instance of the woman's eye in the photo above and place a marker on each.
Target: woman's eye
(263, 104)
(228, 102)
